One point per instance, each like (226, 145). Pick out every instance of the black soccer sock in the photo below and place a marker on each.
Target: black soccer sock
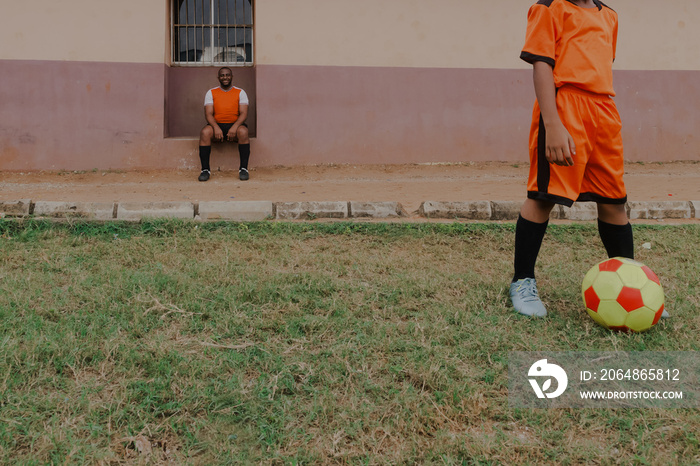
(617, 239)
(204, 155)
(528, 240)
(244, 152)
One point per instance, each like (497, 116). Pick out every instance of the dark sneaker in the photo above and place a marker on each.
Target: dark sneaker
(243, 174)
(204, 176)
(525, 298)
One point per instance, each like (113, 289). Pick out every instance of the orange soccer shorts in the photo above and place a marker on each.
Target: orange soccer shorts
(594, 124)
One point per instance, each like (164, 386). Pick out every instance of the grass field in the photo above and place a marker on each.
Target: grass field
(309, 343)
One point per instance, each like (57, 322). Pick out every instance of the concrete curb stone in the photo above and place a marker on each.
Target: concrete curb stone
(470, 210)
(15, 208)
(309, 210)
(694, 209)
(241, 211)
(358, 209)
(82, 210)
(580, 211)
(659, 210)
(505, 210)
(135, 211)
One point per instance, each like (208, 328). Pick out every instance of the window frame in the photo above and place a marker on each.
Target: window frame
(175, 53)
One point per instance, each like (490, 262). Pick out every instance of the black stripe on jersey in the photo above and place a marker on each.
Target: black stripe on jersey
(532, 58)
(546, 2)
(606, 6)
(543, 172)
(598, 3)
(542, 162)
(593, 197)
(553, 198)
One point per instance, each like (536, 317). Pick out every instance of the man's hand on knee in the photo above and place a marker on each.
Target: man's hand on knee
(232, 133)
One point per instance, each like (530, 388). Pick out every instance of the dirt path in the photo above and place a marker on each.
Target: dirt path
(407, 184)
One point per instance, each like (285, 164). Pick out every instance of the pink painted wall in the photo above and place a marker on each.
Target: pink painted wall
(394, 115)
(82, 115)
(660, 113)
(310, 114)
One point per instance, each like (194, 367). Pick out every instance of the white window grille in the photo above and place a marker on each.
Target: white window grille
(212, 32)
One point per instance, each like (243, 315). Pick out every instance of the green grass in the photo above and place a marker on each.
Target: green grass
(308, 343)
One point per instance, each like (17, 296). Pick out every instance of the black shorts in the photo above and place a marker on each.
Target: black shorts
(227, 126)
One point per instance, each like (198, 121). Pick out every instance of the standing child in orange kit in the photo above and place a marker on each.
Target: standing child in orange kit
(575, 137)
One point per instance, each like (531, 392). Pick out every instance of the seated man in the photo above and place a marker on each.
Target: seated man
(225, 109)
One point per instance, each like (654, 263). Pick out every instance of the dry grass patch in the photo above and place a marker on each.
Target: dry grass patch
(281, 343)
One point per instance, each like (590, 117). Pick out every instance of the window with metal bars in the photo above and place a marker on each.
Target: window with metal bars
(212, 32)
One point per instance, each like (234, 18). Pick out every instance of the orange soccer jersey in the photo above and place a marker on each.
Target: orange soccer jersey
(579, 44)
(226, 103)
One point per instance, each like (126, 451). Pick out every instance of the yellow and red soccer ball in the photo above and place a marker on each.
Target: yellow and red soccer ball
(623, 294)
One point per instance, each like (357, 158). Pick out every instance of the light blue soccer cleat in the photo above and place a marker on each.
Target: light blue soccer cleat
(526, 300)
